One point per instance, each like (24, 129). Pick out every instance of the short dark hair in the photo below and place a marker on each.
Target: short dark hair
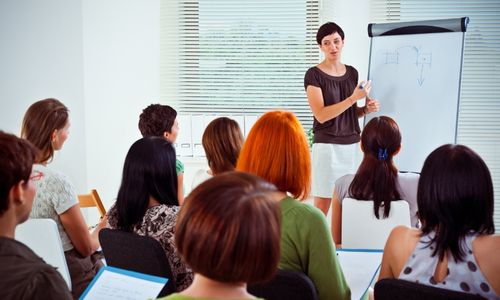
(377, 176)
(16, 161)
(222, 141)
(327, 29)
(149, 170)
(455, 198)
(40, 121)
(156, 119)
(229, 229)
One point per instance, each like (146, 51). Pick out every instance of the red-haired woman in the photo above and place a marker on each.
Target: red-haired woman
(276, 150)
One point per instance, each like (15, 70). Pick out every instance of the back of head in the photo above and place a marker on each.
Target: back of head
(156, 119)
(39, 123)
(222, 141)
(149, 170)
(229, 230)
(16, 161)
(376, 176)
(455, 197)
(327, 29)
(276, 149)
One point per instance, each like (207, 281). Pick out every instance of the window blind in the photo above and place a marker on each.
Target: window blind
(479, 109)
(229, 57)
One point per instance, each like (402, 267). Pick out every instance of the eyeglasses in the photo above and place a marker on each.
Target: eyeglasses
(36, 175)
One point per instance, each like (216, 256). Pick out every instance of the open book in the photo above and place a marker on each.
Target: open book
(114, 283)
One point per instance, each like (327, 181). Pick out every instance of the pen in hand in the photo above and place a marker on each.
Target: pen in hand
(363, 84)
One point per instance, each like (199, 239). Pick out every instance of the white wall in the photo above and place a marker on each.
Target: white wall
(41, 57)
(101, 59)
(121, 48)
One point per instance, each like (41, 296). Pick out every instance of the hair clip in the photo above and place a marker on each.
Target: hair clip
(382, 154)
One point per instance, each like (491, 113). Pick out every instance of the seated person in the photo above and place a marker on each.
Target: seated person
(24, 274)
(377, 178)
(222, 141)
(228, 231)
(46, 125)
(161, 120)
(456, 248)
(147, 200)
(276, 150)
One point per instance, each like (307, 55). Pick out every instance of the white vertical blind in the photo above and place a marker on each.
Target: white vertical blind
(233, 57)
(479, 110)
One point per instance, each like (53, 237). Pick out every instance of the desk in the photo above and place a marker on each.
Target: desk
(360, 267)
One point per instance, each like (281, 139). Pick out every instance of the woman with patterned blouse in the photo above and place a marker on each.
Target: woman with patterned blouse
(147, 200)
(456, 248)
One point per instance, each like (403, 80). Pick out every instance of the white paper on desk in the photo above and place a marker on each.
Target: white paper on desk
(360, 267)
(114, 283)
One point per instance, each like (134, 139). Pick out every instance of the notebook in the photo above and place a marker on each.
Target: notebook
(115, 283)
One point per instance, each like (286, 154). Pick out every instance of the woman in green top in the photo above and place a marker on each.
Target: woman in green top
(276, 150)
(228, 231)
(161, 120)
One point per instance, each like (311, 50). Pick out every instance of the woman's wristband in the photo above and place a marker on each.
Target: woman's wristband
(364, 110)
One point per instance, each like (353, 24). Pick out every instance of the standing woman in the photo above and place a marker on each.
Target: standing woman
(46, 126)
(332, 92)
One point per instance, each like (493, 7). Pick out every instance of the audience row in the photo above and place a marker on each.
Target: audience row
(236, 228)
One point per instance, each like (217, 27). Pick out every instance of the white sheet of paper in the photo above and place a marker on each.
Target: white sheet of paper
(113, 283)
(360, 268)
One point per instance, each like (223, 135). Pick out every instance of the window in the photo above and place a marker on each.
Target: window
(228, 57)
(479, 110)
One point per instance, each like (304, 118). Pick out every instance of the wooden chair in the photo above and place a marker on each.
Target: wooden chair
(92, 199)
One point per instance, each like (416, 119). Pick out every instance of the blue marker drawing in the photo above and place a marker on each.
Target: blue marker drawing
(421, 59)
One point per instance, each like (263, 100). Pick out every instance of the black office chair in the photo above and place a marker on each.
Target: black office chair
(136, 253)
(285, 284)
(401, 289)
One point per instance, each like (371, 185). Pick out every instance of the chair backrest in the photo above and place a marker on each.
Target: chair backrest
(92, 199)
(285, 284)
(360, 227)
(137, 253)
(394, 289)
(42, 236)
